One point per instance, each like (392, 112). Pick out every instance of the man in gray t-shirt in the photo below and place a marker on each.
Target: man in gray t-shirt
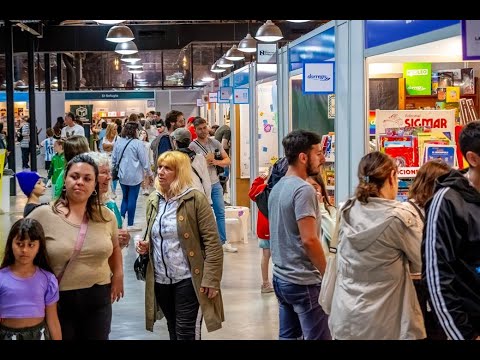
(297, 254)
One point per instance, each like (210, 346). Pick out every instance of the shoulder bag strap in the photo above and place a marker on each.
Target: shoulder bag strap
(201, 146)
(334, 241)
(415, 206)
(78, 246)
(196, 173)
(123, 151)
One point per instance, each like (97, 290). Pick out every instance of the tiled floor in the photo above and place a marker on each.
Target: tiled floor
(248, 313)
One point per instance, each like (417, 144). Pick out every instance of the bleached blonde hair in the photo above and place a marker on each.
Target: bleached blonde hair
(179, 162)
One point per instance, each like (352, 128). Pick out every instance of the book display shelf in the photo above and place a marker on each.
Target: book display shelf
(328, 146)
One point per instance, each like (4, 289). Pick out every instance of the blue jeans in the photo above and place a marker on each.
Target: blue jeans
(129, 201)
(300, 313)
(219, 210)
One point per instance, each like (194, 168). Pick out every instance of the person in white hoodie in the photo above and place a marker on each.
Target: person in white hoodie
(378, 247)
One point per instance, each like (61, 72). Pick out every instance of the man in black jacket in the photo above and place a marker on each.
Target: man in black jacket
(451, 244)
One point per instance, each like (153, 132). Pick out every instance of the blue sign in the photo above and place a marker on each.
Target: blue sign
(241, 77)
(225, 81)
(381, 32)
(17, 96)
(109, 95)
(318, 48)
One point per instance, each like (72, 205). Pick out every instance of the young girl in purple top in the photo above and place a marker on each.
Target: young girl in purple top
(28, 288)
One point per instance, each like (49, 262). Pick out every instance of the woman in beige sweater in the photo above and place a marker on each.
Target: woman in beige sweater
(94, 279)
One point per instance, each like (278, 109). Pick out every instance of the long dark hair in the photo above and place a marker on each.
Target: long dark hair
(323, 189)
(27, 229)
(424, 184)
(94, 207)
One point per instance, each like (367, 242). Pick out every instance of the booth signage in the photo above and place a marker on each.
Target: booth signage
(213, 97)
(17, 96)
(418, 78)
(319, 78)
(381, 32)
(226, 92)
(443, 120)
(471, 39)
(109, 95)
(266, 53)
(220, 100)
(240, 96)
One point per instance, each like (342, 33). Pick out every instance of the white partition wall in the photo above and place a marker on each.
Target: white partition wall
(350, 123)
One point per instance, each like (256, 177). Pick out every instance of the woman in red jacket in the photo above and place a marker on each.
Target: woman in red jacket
(263, 233)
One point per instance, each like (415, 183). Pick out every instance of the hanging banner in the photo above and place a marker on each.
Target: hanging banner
(213, 97)
(84, 111)
(443, 120)
(471, 39)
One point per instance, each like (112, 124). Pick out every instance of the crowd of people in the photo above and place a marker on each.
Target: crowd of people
(404, 270)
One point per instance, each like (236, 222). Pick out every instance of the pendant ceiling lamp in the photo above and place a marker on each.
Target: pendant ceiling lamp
(224, 63)
(109, 22)
(120, 34)
(269, 32)
(217, 69)
(136, 71)
(298, 21)
(134, 66)
(126, 48)
(234, 54)
(248, 44)
(130, 58)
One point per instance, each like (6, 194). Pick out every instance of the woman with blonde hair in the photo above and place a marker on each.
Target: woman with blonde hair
(378, 246)
(185, 255)
(110, 138)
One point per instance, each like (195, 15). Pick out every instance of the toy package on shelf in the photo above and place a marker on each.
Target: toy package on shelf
(447, 153)
(430, 138)
(328, 145)
(401, 148)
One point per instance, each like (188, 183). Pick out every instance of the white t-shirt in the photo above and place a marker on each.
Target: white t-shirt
(68, 131)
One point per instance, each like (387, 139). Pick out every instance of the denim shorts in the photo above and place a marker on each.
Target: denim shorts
(37, 332)
(264, 244)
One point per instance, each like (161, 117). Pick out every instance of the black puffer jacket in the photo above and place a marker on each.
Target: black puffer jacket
(451, 255)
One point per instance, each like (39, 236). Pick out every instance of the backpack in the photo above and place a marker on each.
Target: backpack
(278, 171)
(19, 134)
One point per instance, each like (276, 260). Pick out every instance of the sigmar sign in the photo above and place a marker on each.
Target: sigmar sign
(443, 120)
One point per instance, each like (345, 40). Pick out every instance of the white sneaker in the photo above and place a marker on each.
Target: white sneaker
(229, 248)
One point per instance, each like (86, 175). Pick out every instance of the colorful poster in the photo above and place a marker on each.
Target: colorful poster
(418, 78)
(397, 119)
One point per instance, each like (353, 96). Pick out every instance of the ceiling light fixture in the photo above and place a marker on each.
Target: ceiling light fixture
(248, 44)
(298, 21)
(134, 66)
(217, 69)
(269, 32)
(136, 71)
(109, 22)
(224, 63)
(126, 48)
(234, 54)
(207, 78)
(130, 58)
(120, 34)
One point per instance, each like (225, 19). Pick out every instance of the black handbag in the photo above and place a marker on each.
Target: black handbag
(140, 266)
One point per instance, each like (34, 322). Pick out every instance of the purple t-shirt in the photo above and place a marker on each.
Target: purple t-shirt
(26, 297)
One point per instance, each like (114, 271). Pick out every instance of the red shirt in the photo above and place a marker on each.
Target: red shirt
(263, 231)
(191, 128)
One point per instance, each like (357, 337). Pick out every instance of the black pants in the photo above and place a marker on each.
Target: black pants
(29, 333)
(85, 314)
(47, 165)
(180, 306)
(25, 158)
(432, 325)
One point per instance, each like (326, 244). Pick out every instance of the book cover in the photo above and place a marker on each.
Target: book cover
(447, 153)
(404, 156)
(453, 94)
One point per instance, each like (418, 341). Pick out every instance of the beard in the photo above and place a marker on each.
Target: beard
(312, 171)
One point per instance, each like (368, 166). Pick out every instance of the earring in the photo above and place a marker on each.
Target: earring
(94, 193)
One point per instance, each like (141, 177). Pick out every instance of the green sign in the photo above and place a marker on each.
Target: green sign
(84, 111)
(418, 78)
(109, 95)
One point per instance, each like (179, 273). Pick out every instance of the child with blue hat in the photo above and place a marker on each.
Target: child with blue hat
(33, 187)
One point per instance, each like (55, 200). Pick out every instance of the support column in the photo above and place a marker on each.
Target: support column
(48, 92)
(10, 106)
(31, 102)
(59, 71)
(350, 107)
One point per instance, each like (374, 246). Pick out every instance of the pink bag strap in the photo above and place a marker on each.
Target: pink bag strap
(78, 246)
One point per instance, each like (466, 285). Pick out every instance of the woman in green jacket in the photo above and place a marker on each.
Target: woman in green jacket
(186, 258)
